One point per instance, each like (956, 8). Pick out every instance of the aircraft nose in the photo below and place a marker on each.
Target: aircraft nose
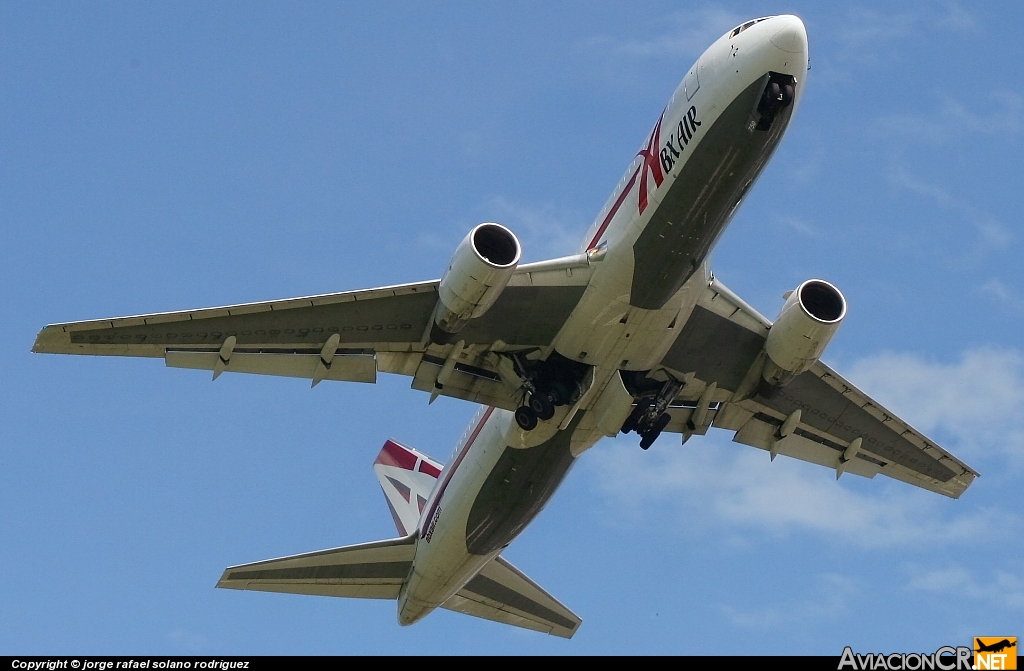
(788, 34)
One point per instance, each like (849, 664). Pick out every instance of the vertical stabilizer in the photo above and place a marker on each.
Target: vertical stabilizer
(407, 478)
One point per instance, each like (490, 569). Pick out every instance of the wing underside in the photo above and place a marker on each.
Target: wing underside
(722, 343)
(366, 332)
(383, 330)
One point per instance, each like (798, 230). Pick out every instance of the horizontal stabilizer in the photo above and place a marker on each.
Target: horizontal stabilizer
(502, 593)
(369, 571)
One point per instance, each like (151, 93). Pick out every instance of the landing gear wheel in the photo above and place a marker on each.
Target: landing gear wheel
(526, 418)
(773, 94)
(542, 406)
(787, 95)
(559, 395)
(634, 417)
(652, 434)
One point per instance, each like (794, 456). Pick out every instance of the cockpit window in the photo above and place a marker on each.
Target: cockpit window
(739, 29)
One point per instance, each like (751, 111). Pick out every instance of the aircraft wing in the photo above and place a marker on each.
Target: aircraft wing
(377, 330)
(722, 342)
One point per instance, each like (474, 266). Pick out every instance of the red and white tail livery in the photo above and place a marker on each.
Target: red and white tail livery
(407, 477)
(381, 570)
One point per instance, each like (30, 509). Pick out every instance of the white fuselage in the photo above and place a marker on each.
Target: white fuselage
(640, 295)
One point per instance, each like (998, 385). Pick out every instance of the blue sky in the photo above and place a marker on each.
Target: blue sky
(164, 156)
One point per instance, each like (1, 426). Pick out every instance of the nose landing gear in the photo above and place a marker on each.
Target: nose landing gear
(778, 93)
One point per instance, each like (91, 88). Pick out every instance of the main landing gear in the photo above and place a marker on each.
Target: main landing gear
(541, 406)
(549, 384)
(649, 418)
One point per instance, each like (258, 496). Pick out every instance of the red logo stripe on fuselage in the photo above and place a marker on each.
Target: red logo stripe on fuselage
(650, 164)
(451, 471)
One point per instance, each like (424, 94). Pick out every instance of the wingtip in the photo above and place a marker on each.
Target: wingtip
(51, 340)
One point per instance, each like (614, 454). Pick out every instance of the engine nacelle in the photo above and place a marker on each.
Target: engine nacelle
(806, 324)
(482, 265)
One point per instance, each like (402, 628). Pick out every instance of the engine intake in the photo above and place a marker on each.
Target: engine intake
(805, 326)
(482, 265)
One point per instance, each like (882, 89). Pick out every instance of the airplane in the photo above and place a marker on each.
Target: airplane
(998, 646)
(632, 334)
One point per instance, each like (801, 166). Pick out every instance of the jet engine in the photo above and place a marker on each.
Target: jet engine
(477, 274)
(806, 324)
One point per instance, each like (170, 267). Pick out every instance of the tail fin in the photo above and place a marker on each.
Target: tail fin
(407, 478)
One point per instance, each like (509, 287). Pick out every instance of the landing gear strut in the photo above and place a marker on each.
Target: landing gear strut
(649, 418)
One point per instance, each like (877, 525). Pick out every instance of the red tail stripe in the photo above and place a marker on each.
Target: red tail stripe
(429, 468)
(393, 454)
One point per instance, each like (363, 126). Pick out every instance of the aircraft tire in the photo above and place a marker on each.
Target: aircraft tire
(526, 418)
(634, 417)
(654, 432)
(787, 95)
(542, 406)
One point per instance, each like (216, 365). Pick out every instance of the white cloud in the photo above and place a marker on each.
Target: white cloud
(978, 402)
(831, 596)
(975, 405)
(900, 176)
(955, 17)
(799, 226)
(990, 234)
(736, 487)
(1003, 590)
(951, 120)
(867, 37)
(689, 35)
(861, 27)
(543, 231)
(1003, 294)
